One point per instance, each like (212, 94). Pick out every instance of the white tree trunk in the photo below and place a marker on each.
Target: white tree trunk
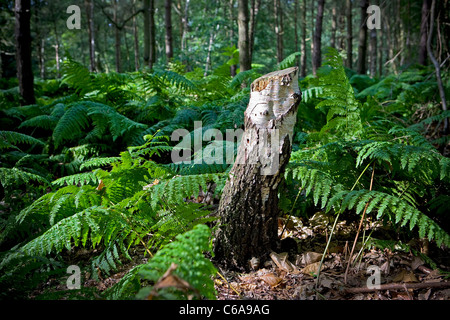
(249, 205)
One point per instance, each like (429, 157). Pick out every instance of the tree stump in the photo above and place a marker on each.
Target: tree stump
(248, 208)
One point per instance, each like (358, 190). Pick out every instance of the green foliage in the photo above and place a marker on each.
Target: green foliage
(187, 252)
(333, 167)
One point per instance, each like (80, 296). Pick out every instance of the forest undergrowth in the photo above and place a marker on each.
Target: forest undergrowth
(87, 180)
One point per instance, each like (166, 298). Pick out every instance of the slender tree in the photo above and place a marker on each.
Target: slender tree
(424, 32)
(233, 67)
(348, 14)
(278, 18)
(89, 6)
(243, 20)
(334, 19)
(254, 10)
(23, 51)
(149, 33)
(362, 44)
(436, 64)
(303, 41)
(136, 40)
(168, 24)
(117, 39)
(373, 52)
(317, 53)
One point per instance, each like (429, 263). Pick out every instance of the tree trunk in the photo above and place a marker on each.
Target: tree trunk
(349, 61)
(136, 41)
(317, 53)
(117, 38)
(146, 32)
(149, 33)
(278, 17)
(233, 67)
(424, 32)
(436, 64)
(253, 17)
(185, 19)
(248, 209)
(42, 58)
(56, 46)
(168, 23)
(296, 27)
(212, 36)
(373, 52)
(303, 42)
(362, 45)
(89, 5)
(333, 26)
(23, 51)
(244, 53)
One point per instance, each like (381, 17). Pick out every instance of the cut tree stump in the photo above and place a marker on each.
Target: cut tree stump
(248, 208)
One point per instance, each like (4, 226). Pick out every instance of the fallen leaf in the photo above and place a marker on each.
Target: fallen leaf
(405, 276)
(283, 263)
(171, 280)
(326, 282)
(310, 257)
(312, 268)
(416, 262)
(271, 279)
(424, 296)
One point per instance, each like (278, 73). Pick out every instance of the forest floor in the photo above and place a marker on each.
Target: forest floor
(404, 272)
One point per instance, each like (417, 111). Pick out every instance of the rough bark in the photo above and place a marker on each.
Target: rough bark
(317, 53)
(243, 19)
(362, 44)
(23, 51)
(248, 209)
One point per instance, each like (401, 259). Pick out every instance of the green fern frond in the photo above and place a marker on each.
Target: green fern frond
(8, 139)
(289, 61)
(77, 179)
(72, 123)
(98, 162)
(10, 176)
(187, 252)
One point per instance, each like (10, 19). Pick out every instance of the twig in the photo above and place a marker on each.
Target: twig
(400, 286)
(334, 226)
(232, 288)
(359, 228)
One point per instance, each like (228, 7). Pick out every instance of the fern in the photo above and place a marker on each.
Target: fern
(77, 179)
(192, 266)
(178, 188)
(330, 162)
(8, 139)
(289, 61)
(10, 176)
